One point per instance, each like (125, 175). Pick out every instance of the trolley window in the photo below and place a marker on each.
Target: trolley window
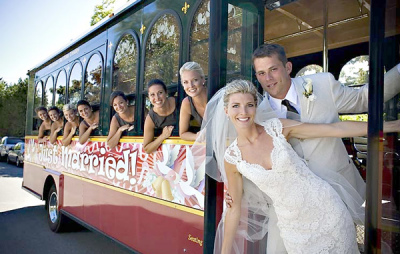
(162, 51)
(49, 92)
(235, 22)
(309, 69)
(93, 78)
(355, 72)
(124, 65)
(75, 84)
(61, 85)
(37, 101)
(199, 34)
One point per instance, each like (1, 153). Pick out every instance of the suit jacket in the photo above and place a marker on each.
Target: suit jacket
(325, 156)
(329, 154)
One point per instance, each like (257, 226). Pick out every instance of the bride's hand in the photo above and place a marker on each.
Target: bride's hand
(228, 200)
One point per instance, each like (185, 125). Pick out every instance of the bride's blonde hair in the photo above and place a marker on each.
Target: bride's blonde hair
(240, 86)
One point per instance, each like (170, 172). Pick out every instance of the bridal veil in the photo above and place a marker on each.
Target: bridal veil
(258, 219)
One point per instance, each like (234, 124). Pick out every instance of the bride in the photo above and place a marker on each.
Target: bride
(271, 182)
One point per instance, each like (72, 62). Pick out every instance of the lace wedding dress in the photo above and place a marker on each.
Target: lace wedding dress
(311, 216)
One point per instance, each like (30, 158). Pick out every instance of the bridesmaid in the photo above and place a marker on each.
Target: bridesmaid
(123, 119)
(193, 106)
(161, 117)
(57, 125)
(90, 120)
(72, 125)
(45, 126)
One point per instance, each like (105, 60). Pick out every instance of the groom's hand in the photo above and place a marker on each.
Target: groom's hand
(228, 200)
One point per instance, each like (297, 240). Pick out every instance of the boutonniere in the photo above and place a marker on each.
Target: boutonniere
(308, 91)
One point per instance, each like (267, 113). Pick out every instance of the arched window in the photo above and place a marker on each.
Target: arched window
(199, 34)
(37, 101)
(234, 46)
(38, 96)
(124, 65)
(355, 72)
(93, 78)
(162, 51)
(61, 85)
(75, 84)
(49, 92)
(309, 69)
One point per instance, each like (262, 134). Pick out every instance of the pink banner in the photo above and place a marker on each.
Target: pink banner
(172, 173)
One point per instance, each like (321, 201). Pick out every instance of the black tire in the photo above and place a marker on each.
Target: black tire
(8, 160)
(55, 219)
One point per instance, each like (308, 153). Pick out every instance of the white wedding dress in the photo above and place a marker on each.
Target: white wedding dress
(311, 216)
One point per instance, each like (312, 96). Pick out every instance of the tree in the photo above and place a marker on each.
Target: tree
(13, 108)
(102, 10)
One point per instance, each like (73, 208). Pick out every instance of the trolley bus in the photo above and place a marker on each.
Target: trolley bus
(114, 191)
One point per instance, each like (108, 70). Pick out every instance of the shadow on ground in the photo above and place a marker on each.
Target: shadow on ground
(26, 230)
(6, 172)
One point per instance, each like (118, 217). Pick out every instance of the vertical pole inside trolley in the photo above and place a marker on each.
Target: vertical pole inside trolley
(375, 126)
(217, 78)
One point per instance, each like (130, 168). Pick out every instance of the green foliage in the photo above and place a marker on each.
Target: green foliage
(102, 10)
(355, 72)
(309, 69)
(13, 108)
(362, 76)
(124, 67)
(162, 51)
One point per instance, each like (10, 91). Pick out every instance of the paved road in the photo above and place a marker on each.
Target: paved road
(24, 229)
(12, 196)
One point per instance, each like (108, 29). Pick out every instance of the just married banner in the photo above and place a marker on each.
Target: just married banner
(172, 173)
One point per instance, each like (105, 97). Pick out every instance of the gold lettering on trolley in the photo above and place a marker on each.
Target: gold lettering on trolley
(142, 29)
(185, 8)
(195, 240)
(110, 45)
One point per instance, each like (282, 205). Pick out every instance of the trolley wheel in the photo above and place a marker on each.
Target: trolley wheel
(55, 219)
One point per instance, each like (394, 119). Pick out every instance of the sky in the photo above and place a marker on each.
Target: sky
(32, 31)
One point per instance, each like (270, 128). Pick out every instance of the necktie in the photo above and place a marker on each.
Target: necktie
(289, 107)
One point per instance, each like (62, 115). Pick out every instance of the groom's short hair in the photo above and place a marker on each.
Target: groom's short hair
(268, 50)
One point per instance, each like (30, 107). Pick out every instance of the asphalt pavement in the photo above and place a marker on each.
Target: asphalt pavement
(24, 229)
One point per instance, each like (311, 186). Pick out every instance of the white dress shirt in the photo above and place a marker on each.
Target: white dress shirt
(291, 96)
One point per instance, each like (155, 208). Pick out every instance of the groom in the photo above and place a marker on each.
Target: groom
(317, 98)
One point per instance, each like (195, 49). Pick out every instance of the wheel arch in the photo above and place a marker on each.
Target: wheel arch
(46, 188)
